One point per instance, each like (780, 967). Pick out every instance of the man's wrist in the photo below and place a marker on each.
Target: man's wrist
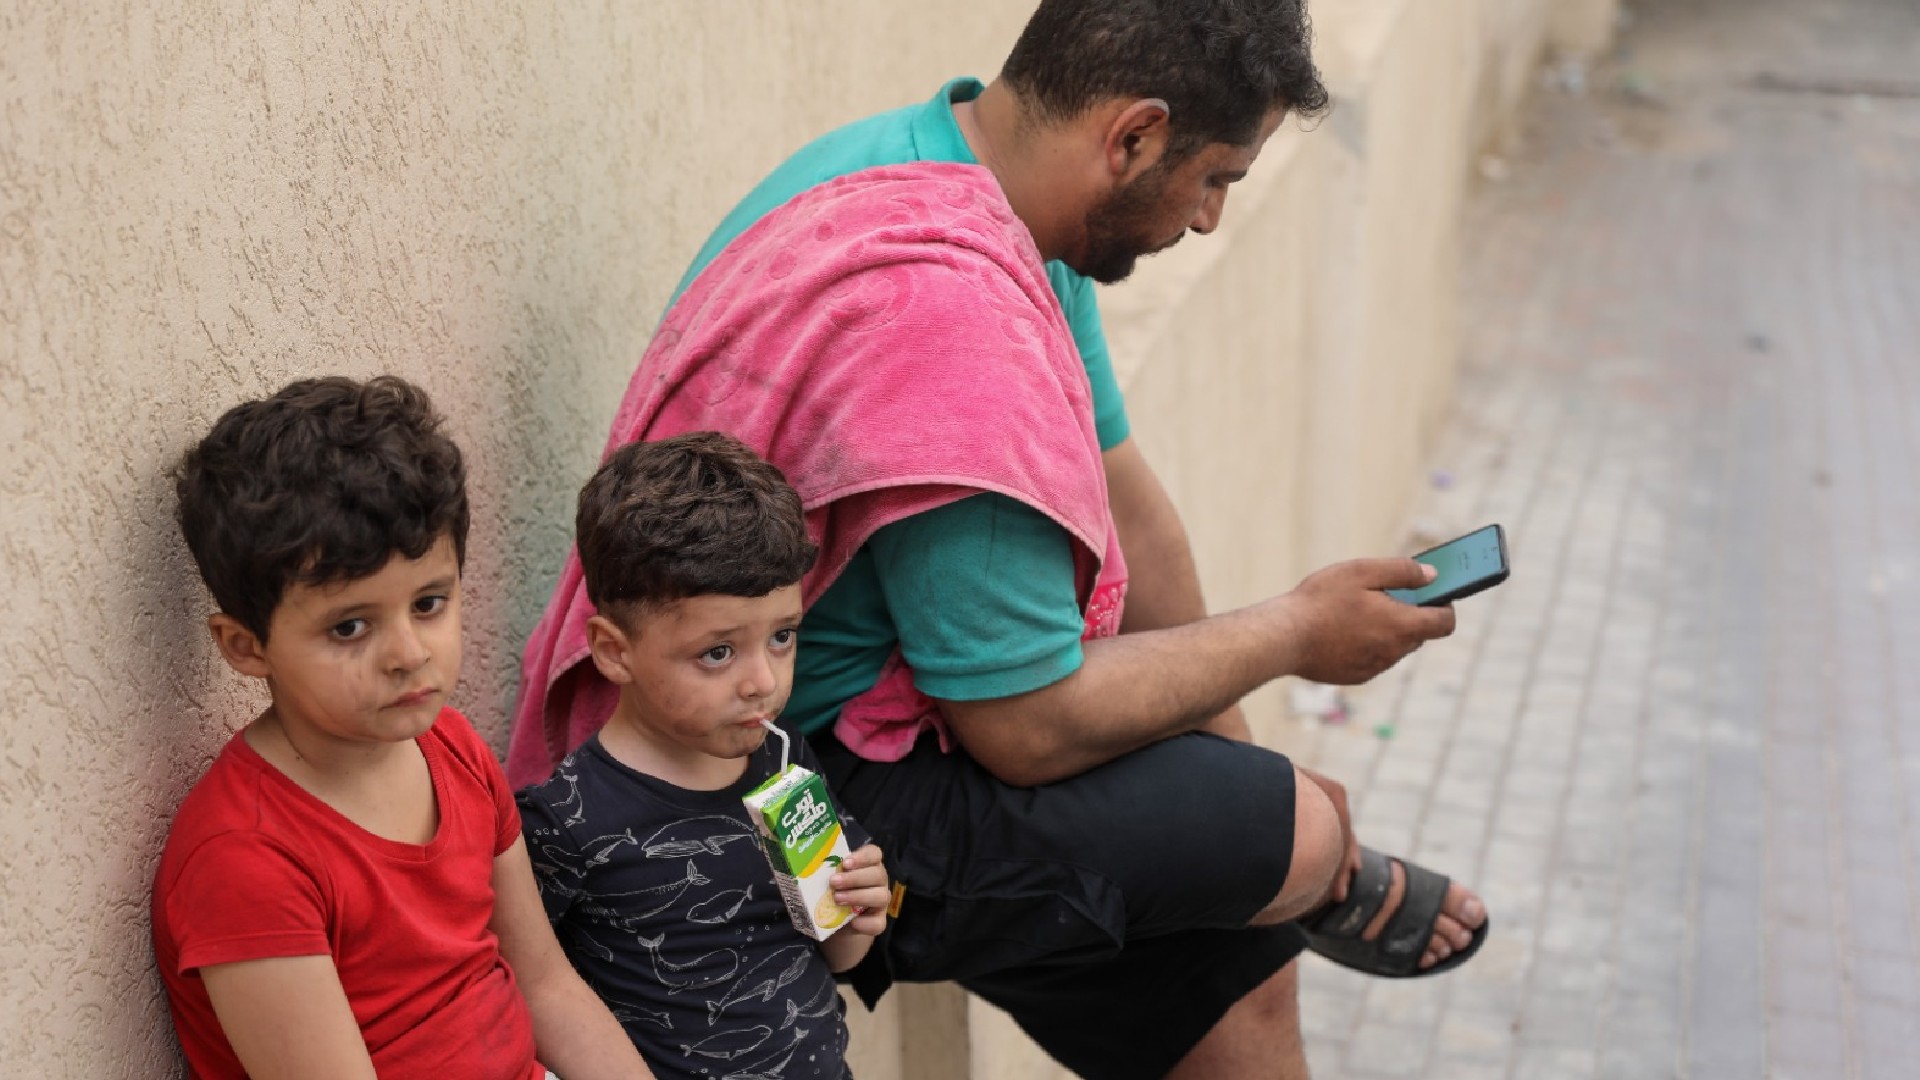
(1291, 631)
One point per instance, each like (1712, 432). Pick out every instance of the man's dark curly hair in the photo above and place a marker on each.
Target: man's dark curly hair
(322, 482)
(1220, 65)
(694, 515)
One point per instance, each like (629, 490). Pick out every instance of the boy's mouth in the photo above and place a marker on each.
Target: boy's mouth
(407, 701)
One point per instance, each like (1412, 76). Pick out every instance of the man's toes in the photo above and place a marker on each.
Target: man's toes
(1450, 933)
(1464, 907)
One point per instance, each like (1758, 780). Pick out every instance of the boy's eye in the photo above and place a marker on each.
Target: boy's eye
(785, 637)
(717, 655)
(429, 605)
(348, 630)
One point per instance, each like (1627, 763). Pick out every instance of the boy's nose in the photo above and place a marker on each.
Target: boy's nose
(757, 677)
(406, 651)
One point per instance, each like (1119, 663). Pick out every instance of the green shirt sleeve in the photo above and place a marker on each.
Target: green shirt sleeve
(1075, 291)
(981, 593)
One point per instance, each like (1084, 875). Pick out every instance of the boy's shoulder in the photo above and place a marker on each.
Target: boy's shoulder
(242, 795)
(456, 735)
(587, 785)
(592, 795)
(230, 796)
(240, 827)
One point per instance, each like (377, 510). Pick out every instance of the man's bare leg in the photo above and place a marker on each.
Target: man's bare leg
(1321, 819)
(1258, 1037)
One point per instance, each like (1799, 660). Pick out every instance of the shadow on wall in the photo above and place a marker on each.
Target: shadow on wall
(186, 703)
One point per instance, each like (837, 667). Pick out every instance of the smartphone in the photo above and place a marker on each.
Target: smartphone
(1466, 566)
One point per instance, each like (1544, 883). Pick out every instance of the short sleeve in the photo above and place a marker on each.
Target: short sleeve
(558, 868)
(1082, 310)
(982, 596)
(472, 753)
(506, 816)
(241, 896)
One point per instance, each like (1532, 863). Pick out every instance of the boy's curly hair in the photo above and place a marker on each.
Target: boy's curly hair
(694, 515)
(322, 482)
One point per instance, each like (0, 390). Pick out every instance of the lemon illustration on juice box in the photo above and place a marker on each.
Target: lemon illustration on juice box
(800, 831)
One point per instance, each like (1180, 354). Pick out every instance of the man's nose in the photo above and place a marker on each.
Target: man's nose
(1207, 218)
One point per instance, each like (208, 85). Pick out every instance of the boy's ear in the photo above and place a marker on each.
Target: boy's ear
(609, 645)
(238, 645)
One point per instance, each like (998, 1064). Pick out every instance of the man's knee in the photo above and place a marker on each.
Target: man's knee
(1319, 852)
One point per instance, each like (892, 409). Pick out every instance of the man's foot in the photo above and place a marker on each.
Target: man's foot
(1461, 913)
(1397, 919)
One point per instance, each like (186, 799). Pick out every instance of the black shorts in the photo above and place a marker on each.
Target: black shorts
(1106, 913)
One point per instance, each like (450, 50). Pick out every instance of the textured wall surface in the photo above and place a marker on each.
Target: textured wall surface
(200, 201)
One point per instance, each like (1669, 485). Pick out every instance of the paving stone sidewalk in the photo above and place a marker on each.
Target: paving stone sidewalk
(1679, 752)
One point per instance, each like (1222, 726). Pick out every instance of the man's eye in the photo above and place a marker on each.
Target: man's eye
(349, 630)
(429, 605)
(717, 655)
(784, 638)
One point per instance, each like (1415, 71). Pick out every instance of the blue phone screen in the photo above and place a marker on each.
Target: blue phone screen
(1463, 562)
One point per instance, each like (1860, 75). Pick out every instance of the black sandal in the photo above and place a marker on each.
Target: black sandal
(1334, 932)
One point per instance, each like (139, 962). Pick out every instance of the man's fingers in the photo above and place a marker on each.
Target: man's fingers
(1397, 573)
(1439, 621)
(1381, 573)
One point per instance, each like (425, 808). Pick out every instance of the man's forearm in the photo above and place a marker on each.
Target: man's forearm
(1131, 691)
(1337, 626)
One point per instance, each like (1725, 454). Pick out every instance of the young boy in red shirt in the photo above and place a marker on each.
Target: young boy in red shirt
(346, 893)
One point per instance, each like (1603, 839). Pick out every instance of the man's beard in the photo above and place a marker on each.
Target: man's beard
(1114, 243)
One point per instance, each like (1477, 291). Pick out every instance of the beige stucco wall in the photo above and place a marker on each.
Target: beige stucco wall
(200, 201)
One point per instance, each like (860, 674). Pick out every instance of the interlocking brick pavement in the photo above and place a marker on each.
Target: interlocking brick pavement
(1679, 752)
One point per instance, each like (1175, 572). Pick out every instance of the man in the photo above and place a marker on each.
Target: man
(1078, 842)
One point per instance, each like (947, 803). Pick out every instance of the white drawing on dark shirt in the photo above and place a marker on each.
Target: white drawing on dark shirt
(729, 1044)
(795, 958)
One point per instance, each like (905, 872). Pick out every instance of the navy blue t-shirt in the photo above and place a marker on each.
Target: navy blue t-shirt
(663, 900)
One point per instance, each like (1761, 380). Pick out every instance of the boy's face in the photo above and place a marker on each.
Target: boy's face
(361, 661)
(699, 675)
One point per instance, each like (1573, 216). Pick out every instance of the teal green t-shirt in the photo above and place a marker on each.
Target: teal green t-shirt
(979, 594)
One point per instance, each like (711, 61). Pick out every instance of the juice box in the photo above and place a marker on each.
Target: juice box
(800, 831)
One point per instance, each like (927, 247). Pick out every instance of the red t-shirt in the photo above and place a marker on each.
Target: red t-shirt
(257, 867)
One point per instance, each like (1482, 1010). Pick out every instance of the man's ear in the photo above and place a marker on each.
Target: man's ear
(1137, 137)
(609, 645)
(239, 646)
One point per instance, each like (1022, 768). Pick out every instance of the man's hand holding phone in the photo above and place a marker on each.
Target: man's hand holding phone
(1348, 630)
(1466, 566)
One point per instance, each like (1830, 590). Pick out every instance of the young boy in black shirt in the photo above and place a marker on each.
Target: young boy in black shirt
(693, 549)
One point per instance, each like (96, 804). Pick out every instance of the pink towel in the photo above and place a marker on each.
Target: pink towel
(890, 341)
